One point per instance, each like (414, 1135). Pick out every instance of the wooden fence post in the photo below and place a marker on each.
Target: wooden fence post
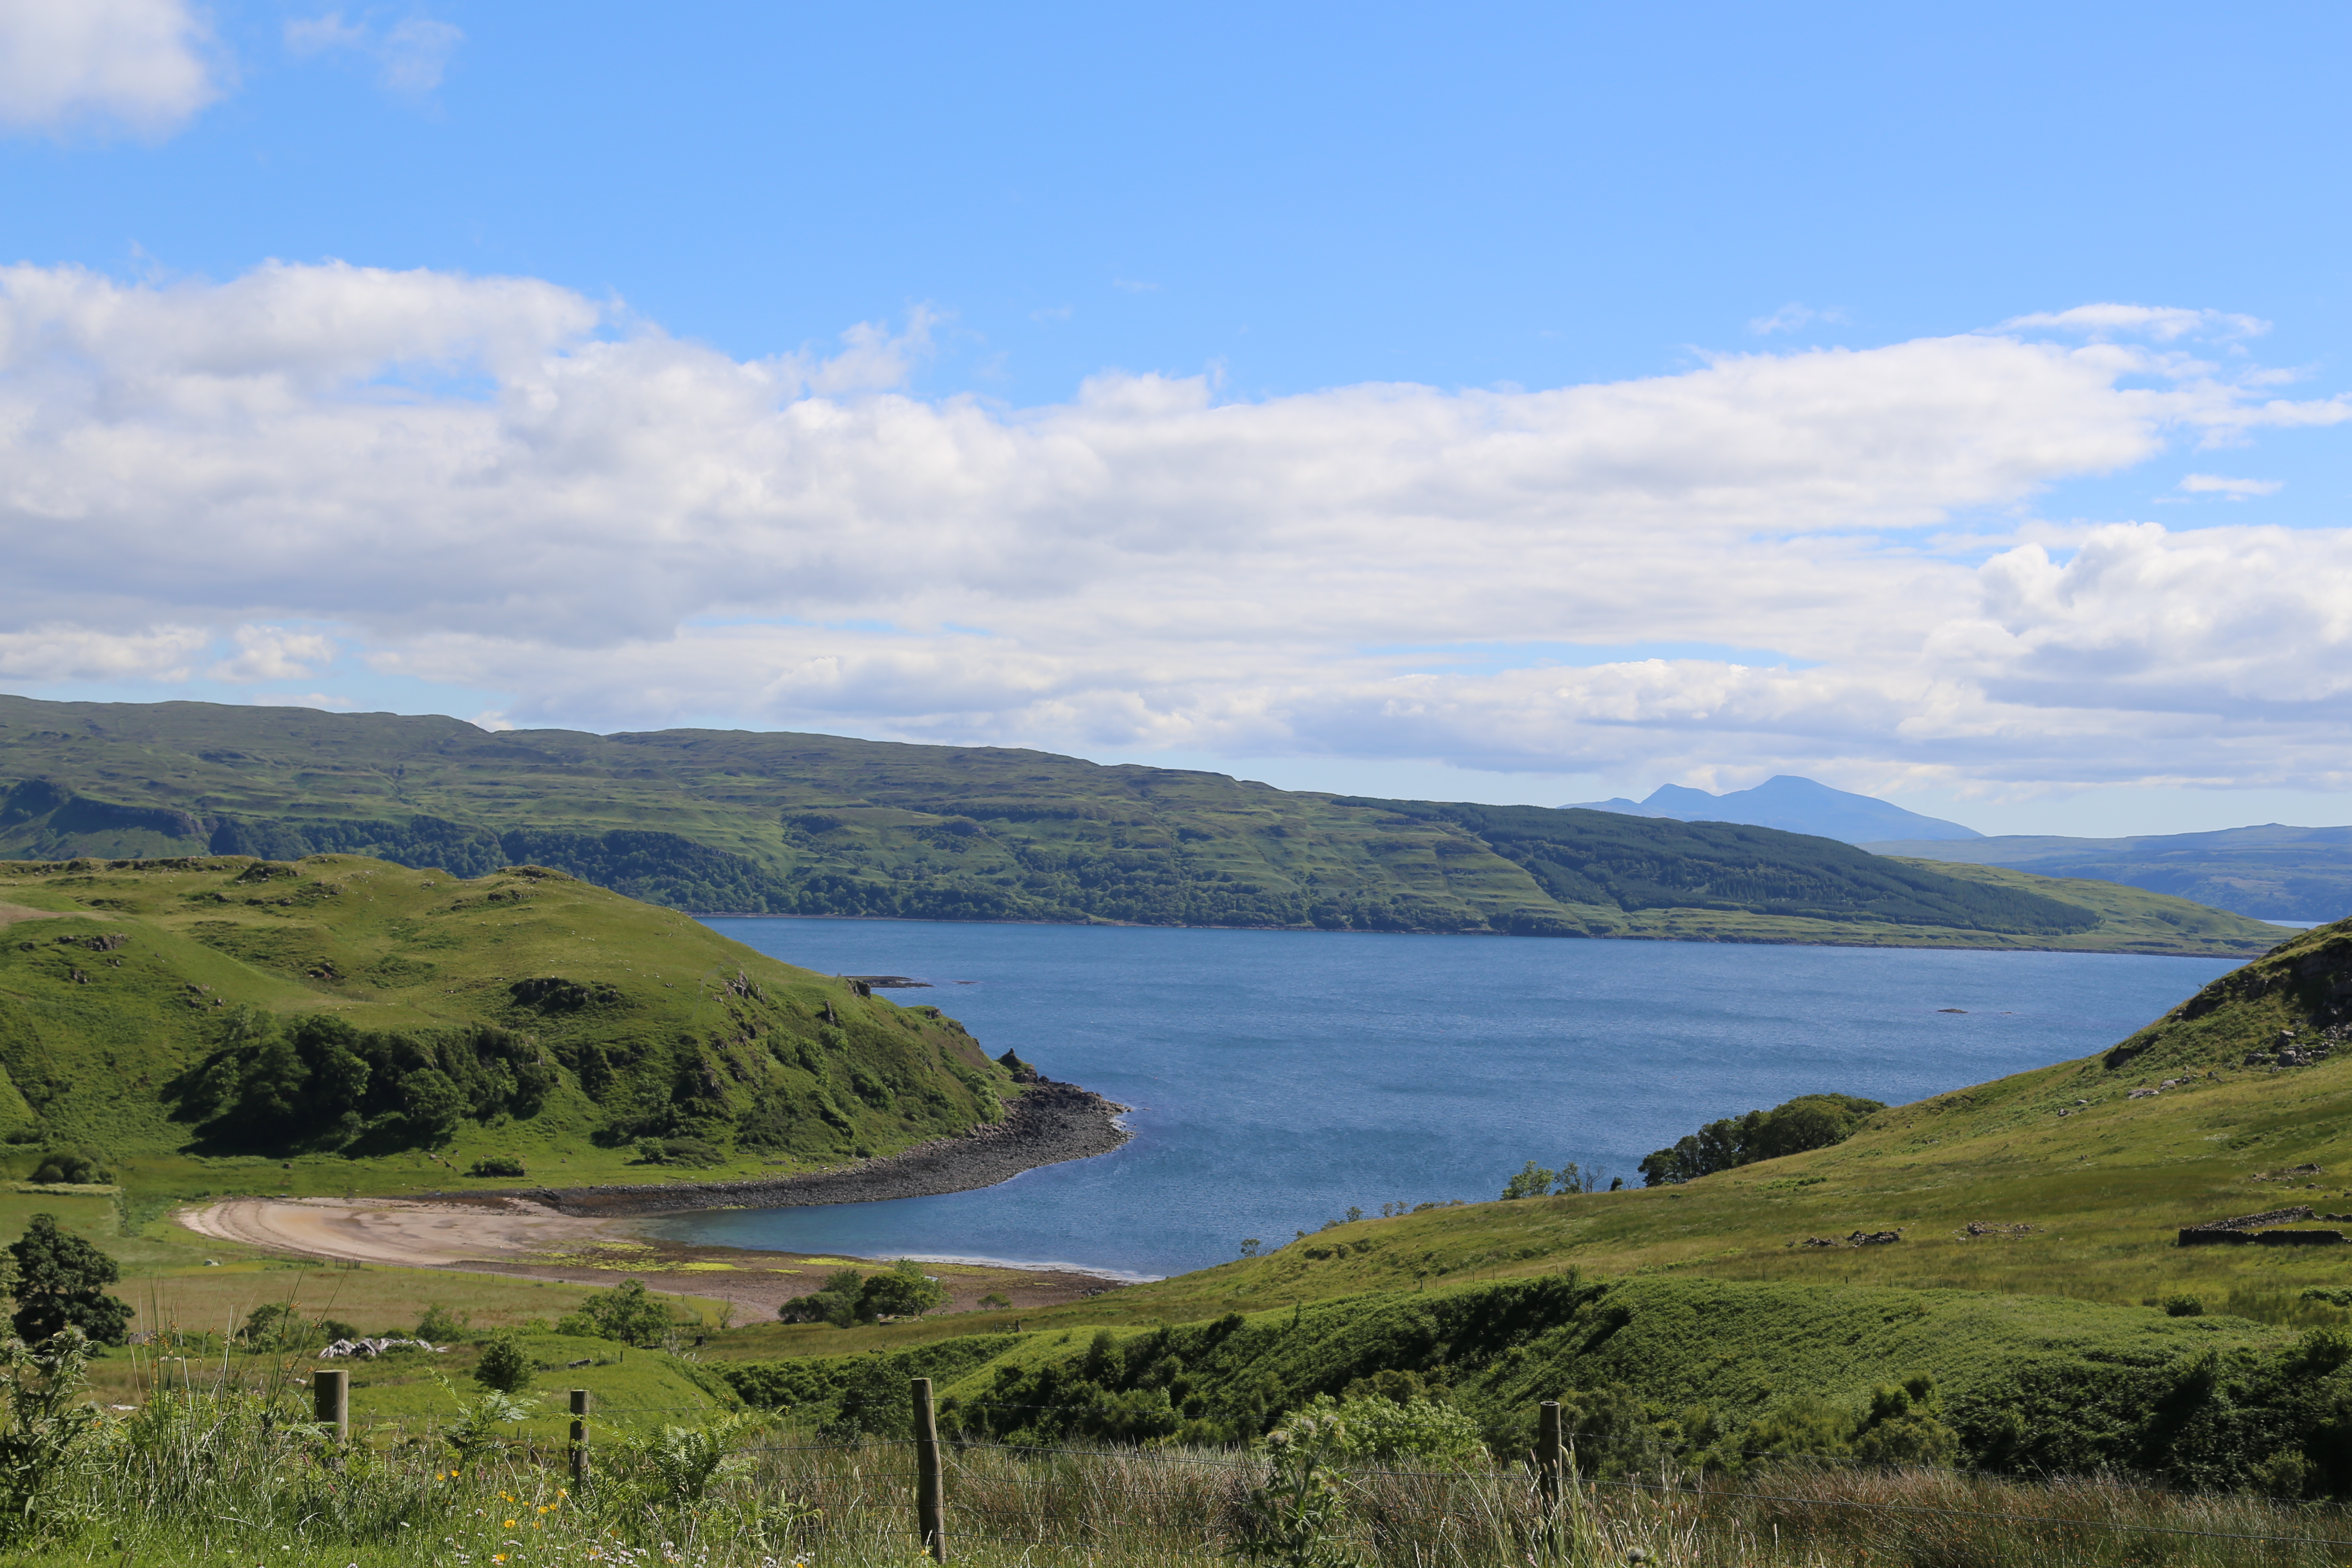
(1548, 1469)
(930, 1520)
(579, 1438)
(330, 1403)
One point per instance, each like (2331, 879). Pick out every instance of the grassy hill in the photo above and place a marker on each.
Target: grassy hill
(340, 1022)
(720, 821)
(2271, 872)
(2038, 1218)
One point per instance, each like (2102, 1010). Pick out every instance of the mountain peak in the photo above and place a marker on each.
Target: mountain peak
(1792, 805)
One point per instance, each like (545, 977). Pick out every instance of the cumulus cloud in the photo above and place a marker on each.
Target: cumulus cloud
(410, 55)
(497, 484)
(118, 65)
(266, 653)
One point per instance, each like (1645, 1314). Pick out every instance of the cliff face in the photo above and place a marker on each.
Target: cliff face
(2289, 1008)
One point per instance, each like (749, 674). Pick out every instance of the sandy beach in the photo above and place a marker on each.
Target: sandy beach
(516, 1236)
(582, 1234)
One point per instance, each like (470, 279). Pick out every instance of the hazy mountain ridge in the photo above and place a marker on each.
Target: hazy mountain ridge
(1792, 805)
(785, 824)
(2270, 872)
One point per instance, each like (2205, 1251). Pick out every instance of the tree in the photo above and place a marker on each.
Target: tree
(835, 1302)
(627, 1312)
(1532, 1182)
(903, 1292)
(433, 1105)
(60, 1284)
(505, 1365)
(1807, 1121)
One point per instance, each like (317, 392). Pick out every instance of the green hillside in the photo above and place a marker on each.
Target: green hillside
(2271, 872)
(2036, 1290)
(367, 1025)
(731, 821)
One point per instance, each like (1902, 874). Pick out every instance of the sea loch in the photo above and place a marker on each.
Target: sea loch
(1278, 1078)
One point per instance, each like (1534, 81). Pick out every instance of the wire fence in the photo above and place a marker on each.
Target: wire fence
(1111, 1502)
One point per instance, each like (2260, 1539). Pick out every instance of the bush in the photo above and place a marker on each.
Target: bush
(904, 1292)
(2183, 1307)
(628, 1313)
(1370, 1426)
(439, 1324)
(70, 1168)
(694, 1152)
(1807, 1121)
(835, 1302)
(504, 1365)
(497, 1165)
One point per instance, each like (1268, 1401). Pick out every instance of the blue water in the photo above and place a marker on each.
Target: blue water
(1278, 1078)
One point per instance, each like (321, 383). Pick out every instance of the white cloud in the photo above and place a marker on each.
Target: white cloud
(1790, 317)
(610, 527)
(2163, 323)
(266, 653)
(307, 699)
(126, 65)
(2235, 489)
(58, 652)
(411, 55)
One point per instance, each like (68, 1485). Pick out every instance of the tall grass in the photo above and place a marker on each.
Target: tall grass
(224, 1476)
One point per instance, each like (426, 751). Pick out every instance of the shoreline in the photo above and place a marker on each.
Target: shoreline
(1052, 1124)
(580, 1234)
(1715, 938)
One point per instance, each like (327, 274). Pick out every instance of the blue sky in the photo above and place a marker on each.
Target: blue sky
(1286, 209)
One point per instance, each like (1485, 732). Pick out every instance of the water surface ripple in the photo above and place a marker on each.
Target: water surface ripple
(1278, 1078)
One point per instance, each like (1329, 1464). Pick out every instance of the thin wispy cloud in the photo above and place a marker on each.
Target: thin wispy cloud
(411, 55)
(2233, 490)
(2162, 324)
(1790, 317)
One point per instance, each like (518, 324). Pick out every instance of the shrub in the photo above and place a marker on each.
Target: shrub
(1807, 1121)
(835, 1302)
(1369, 1427)
(2183, 1307)
(440, 1323)
(994, 1301)
(69, 1168)
(628, 1313)
(903, 1292)
(497, 1165)
(46, 1417)
(696, 1152)
(504, 1365)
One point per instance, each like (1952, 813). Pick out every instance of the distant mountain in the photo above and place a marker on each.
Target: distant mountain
(1795, 805)
(2271, 872)
(736, 822)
